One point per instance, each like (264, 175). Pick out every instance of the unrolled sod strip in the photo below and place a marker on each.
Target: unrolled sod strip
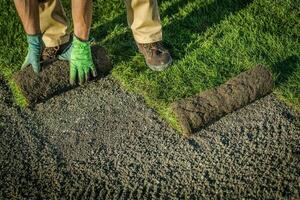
(195, 112)
(54, 77)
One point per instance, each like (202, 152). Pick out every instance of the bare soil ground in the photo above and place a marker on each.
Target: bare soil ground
(99, 142)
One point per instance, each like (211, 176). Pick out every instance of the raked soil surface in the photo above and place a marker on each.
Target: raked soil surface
(99, 142)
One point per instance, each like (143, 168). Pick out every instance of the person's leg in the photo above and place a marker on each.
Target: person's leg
(144, 21)
(29, 14)
(54, 24)
(82, 18)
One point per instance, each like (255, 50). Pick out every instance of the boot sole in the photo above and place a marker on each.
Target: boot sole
(160, 68)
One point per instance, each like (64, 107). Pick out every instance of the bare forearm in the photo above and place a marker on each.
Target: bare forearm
(82, 17)
(28, 11)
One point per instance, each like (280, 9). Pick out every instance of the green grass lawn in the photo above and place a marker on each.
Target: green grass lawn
(210, 40)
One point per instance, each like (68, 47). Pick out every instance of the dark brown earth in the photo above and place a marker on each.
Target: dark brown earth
(195, 112)
(54, 77)
(99, 142)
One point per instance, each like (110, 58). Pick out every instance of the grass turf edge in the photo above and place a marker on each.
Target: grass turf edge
(163, 109)
(17, 94)
(290, 102)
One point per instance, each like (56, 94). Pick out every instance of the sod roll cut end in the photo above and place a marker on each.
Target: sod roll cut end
(54, 78)
(193, 113)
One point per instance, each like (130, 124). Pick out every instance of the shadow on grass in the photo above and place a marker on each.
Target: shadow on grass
(179, 33)
(285, 68)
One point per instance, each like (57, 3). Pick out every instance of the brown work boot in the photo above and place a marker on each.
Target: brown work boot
(156, 55)
(52, 53)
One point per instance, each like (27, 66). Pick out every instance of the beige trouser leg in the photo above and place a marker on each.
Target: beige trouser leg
(144, 20)
(53, 23)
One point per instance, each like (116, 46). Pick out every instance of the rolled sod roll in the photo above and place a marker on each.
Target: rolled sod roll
(195, 112)
(54, 77)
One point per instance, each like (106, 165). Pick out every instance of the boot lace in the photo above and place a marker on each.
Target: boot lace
(154, 48)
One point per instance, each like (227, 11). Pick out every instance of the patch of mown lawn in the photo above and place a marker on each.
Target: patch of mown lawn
(210, 40)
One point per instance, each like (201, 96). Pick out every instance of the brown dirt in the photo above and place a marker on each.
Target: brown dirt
(54, 77)
(195, 112)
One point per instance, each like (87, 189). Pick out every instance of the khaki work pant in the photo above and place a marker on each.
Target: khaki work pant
(142, 16)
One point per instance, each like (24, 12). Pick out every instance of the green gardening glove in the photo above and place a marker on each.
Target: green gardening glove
(34, 52)
(81, 63)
